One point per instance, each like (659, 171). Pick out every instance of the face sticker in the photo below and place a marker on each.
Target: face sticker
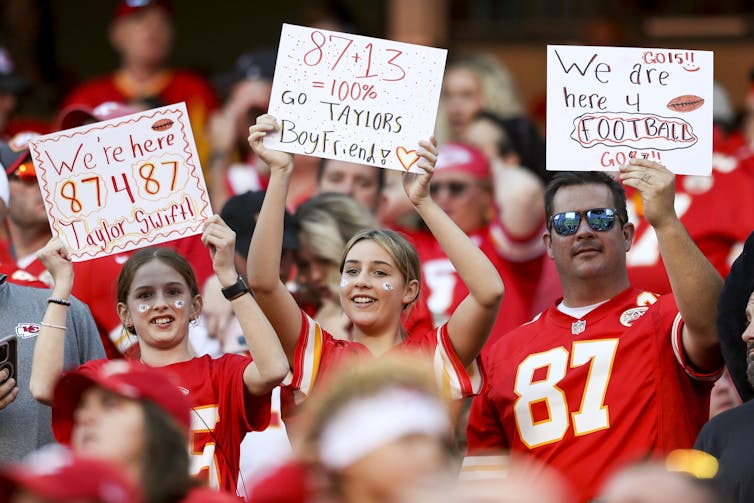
(387, 286)
(143, 308)
(179, 304)
(344, 283)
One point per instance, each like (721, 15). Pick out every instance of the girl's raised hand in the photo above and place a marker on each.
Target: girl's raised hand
(220, 240)
(57, 260)
(417, 185)
(275, 159)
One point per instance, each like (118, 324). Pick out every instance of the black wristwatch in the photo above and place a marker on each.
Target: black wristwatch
(235, 290)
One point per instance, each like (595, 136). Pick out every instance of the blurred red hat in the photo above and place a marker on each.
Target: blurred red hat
(128, 7)
(56, 474)
(16, 151)
(462, 158)
(78, 115)
(126, 378)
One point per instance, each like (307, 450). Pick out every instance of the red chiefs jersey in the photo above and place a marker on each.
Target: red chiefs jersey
(717, 212)
(588, 396)
(318, 353)
(445, 290)
(222, 413)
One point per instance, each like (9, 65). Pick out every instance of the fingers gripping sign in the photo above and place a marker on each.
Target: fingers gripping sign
(656, 184)
(417, 185)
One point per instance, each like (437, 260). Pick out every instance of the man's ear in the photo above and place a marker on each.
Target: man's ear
(547, 240)
(628, 235)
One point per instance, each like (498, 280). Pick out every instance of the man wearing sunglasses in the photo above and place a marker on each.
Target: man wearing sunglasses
(611, 374)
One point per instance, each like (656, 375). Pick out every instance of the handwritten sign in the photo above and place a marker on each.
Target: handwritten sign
(122, 184)
(354, 98)
(606, 105)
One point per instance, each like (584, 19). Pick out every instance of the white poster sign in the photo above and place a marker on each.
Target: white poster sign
(122, 184)
(606, 105)
(354, 98)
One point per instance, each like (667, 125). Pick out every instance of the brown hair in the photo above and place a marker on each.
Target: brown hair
(165, 474)
(168, 256)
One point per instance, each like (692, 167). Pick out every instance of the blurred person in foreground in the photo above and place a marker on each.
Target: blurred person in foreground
(377, 430)
(56, 475)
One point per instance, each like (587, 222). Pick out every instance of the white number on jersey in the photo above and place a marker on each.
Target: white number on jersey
(593, 415)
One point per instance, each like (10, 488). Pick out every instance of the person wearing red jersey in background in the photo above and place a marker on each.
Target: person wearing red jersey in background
(380, 280)
(611, 374)
(138, 419)
(158, 297)
(96, 279)
(142, 33)
(462, 186)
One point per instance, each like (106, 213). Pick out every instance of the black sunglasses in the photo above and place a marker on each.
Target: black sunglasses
(567, 223)
(455, 189)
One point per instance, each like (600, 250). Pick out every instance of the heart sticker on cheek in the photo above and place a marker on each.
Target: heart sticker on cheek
(143, 308)
(407, 157)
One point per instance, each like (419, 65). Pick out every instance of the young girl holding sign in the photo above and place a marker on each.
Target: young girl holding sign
(380, 280)
(157, 299)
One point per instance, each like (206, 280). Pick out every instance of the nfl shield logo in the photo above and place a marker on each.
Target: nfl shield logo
(578, 326)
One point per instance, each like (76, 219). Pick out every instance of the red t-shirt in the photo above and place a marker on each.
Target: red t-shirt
(589, 396)
(222, 413)
(717, 211)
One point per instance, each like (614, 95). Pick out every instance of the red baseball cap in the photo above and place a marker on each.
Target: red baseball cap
(78, 115)
(463, 158)
(128, 7)
(56, 474)
(126, 378)
(16, 151)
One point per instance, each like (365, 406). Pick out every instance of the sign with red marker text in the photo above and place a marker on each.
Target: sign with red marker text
(354, 98)
(122, 184)
(607, 105)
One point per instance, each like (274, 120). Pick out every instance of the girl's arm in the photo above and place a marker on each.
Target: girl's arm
(263, 263)
(48, 361)
(269, 367)
(472, 320)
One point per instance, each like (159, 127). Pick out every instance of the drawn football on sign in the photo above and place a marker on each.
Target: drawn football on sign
(685, 103)
(162, 125)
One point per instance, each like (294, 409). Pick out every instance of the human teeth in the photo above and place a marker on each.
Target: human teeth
(362, 300)
(161, 321)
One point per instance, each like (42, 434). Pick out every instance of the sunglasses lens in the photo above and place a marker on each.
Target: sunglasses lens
(26, 171)
(601, 219)
(566, 223)
(455, 189)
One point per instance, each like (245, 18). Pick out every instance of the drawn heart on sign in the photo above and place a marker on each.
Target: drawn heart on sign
(407, 157)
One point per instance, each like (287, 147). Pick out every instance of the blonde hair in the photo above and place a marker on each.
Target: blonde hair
(327, 221)
(499, 92)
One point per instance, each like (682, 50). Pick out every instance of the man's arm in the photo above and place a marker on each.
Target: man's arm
(695, 282)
